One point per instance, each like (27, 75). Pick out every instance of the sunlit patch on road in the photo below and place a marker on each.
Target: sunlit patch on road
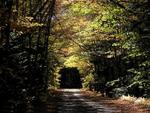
(70, 90)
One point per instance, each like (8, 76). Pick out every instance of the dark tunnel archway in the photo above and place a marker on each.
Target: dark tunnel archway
(70, 78)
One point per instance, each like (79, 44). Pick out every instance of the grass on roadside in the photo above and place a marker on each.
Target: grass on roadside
(139, 101)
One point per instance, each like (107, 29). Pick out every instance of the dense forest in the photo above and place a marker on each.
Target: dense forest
(106, 42)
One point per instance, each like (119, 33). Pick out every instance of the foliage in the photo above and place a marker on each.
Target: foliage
(24, 70)
(87, 80)
(25, 23)
(111, 36)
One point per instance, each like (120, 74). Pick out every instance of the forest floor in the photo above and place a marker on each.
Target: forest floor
(124, 106)
(80, 101)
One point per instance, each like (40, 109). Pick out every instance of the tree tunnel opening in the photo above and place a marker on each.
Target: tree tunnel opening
(70, 78)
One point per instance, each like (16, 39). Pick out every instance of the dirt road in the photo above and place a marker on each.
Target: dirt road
(74, 101)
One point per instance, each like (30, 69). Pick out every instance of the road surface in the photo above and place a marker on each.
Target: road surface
(74, 101)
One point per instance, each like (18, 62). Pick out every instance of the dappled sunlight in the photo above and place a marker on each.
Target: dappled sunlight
(135, 100)
(70, 90)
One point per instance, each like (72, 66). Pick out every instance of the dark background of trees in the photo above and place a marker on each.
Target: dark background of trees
(24, 68)
(70, 78)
